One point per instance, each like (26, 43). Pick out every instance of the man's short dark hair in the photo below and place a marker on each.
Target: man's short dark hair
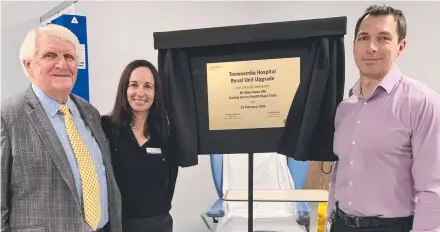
(379, 10)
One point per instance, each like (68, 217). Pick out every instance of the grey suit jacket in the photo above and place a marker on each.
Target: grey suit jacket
(38, 192)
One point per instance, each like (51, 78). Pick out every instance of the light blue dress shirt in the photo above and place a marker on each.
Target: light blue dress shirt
(51, 108)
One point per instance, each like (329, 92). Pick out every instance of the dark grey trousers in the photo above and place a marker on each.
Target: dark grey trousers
(160, 223)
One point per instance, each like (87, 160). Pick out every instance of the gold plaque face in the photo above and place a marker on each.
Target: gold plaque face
(251, 94)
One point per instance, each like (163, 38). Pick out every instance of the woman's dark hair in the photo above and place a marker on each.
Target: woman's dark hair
(122, 114)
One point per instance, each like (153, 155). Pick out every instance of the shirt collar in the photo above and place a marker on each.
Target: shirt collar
(51, 106)
(387, 83)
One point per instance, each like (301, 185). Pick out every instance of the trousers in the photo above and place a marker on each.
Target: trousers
(160, 223)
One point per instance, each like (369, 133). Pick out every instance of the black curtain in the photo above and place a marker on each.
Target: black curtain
(308, 133)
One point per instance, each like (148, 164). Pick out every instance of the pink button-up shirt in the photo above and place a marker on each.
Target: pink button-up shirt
(389, 153)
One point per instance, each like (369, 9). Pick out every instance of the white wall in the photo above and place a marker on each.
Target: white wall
(119, 32)
(125, 30)
(17, 18)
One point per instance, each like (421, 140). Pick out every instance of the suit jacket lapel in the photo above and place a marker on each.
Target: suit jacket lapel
(50, 140)
(95, 127)
(91, 122)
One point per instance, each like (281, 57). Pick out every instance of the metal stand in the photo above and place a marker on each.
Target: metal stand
(251, 192)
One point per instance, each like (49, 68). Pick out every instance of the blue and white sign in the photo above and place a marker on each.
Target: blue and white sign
(78, 25)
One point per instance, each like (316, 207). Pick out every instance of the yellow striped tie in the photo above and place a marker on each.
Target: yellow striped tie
(87, 171)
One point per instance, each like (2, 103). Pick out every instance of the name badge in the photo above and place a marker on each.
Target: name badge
(154, 151)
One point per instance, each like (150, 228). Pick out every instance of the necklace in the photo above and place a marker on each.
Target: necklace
(134, 127)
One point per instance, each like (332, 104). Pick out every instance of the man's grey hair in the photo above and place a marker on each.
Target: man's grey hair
(29, 46)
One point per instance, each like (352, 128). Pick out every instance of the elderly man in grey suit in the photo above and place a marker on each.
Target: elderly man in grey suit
(56, 173)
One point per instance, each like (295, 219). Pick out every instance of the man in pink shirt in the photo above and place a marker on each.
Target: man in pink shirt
(387, 138)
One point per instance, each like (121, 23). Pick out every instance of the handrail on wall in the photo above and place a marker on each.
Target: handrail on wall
(56, 9)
